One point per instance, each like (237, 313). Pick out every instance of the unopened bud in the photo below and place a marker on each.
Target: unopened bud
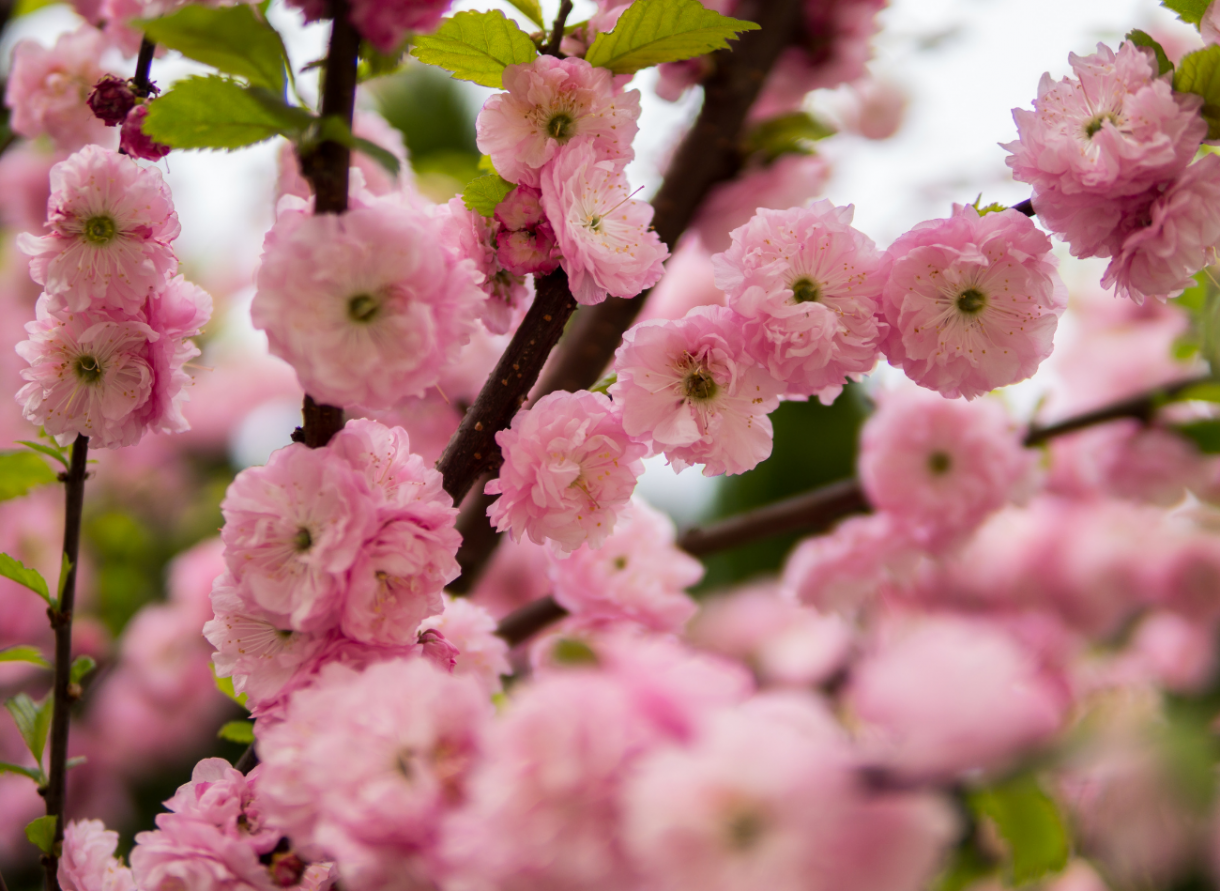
(111, 100)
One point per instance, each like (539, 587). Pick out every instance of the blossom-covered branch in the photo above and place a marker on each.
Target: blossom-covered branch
(61, 622)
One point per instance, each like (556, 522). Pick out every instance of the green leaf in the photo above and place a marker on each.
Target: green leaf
(531, 10)
(50, 451)
(23, 575)
(604, 385)
(238, 732)
(476, 46)
(967, 867)
(64, 565)
(33, 720)
(1143, 38)
(217, 113)
(1199, 73)
(334, 129)
(1189, 11)
(225, 686)
(31, 772)
(25, 7)
(1029, 820)
(21, 471)
(787, 134)
(1204, 434)
(374, 63)
(41, 833)
(650, 32)
(1199, 392)
(483, 194)
(81, 666)
(24, 654)
(232, 39)
(570, 651)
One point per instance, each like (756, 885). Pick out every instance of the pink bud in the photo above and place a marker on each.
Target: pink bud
(134, 142)
(523, 251)
(437, 650)
(111, 100)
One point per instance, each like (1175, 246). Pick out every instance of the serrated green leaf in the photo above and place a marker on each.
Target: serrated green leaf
(81, 666)
(374, 63)
(531, 10)
(1143, 38)
(483, 194)
(225, 686)
(1030, 822)
(41, 833)
(24, 654)
(786, 134)
(50, 451)
(1189, 11)
(1199, 73)
(238, 732)
(23, 575)
(33, 720)
(476, 46)
(1204, 434)
(31, 772)
(232, 39)
(334, 129)
(217, 113)
(650, 32)
(21, 471)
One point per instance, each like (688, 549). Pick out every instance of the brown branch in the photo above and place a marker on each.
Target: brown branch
(141, 85)
(1140, 407)
(473, 451)
(522, 624)
(61, 621)
(561, 21)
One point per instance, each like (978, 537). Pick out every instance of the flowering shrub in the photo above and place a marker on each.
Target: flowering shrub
(943, 633)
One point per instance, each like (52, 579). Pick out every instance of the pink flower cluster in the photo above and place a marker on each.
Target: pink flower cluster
(111, 339)
(383, 23)
(565, 129)
(47, 89)
(334, 554)
(1108, 153)
(368, 306)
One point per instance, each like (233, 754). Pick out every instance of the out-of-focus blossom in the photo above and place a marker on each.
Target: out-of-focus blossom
(88, 862)
(48, 88)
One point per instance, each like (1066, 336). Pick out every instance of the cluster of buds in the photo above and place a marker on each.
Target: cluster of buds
(120, 103)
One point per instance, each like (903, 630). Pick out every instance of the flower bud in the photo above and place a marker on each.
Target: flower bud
(134, 142)
(111, 100)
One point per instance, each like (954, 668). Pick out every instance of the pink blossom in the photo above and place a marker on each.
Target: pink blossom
(472, 236)
(636, 575)
(472, 631)
(47, 89)
(88, 862)
(689, 281)
(525, 242)
(111, 224)
(292, 530)
(553, 106)
(952, 696)
(1209, 26)
(383, 23)
(764, 800)
(89, 373)
(569, 469)
(135, 142)
(367, 306)
(602, 232)
(850, 567)
(382, 455)
(25, 182)
(941, 466)
(178, 314)
(364, 765)
(972, 302)
(1182, 236)
(1115, 129)
(690, 389)
(789, 181)
(807, 284)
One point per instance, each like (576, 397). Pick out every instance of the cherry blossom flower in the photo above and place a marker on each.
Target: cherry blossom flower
(602, 232)
(525, 243)
(382, 455)
(111, 225)
(89, 374)
(471, 629)
(690, 390)
(972, 302)
(807, 284)
(553, 106)
(367, 306)
(135, 142)
(178, 314)
(383, 23)
(1182, 236)
(941, 466)
(292, 530)
(472, 236)
(364, 765)
(569, 469)
(88, 862)
(47, 89)
(636, 575)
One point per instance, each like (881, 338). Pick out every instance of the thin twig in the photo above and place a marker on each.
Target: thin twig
(141, 84)
(561, 21)
(473, 451)
(519, 626)
(61, 621)
(1140, 407)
